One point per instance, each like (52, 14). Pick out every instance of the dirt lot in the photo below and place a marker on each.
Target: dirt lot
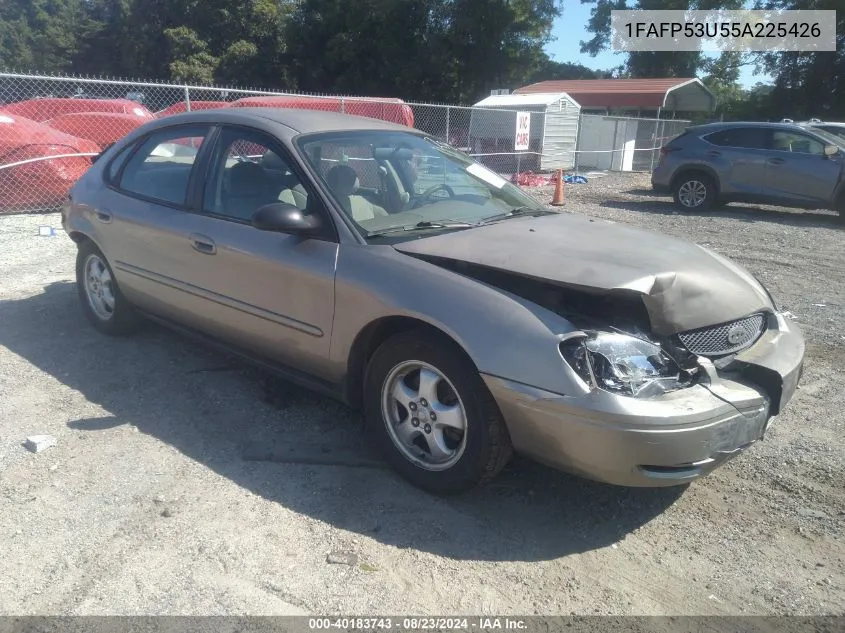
(151, 503)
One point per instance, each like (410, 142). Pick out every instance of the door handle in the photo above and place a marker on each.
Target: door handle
(203, 244)
(104, 216)
(714, 153)
(775, 161)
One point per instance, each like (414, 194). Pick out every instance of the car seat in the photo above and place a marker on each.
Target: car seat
(246, 190)
(343, 181)
(292, 191)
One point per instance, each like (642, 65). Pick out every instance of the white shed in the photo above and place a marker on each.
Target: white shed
(553, 133)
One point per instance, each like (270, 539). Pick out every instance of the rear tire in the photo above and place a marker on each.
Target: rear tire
(431, 415)
(694, 191)
(102, 302)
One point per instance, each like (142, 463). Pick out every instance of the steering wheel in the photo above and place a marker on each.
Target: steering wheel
(425, 195)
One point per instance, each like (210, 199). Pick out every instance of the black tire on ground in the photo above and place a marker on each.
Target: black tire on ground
(122, 319)
(697, 182)
(488, 447)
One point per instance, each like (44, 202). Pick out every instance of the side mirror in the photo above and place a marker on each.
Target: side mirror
(831, 150)
(285, 218)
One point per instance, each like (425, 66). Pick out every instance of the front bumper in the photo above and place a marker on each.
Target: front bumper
(663, 441)
(661, 178)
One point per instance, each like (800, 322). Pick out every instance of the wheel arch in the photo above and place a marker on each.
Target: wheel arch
(688, 170)
(368, 340)
(79, 237)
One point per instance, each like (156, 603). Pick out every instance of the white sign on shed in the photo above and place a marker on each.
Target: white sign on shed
(523, 131)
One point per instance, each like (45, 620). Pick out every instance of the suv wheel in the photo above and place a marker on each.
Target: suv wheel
(694, 191)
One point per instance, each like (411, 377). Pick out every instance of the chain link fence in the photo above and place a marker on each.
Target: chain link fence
(52, 126)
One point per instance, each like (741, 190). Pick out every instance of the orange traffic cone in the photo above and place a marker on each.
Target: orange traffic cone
(557, 200)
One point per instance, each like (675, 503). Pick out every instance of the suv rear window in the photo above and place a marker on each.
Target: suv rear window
(745, 137)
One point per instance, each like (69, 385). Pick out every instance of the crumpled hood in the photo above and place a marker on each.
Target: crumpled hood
(683, 286)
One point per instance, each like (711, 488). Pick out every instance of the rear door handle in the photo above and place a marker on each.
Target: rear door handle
(714, 153)
(203, 244)
(775, 161)
(104, 216)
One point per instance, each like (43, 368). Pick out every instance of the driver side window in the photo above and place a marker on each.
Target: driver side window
(249, 171)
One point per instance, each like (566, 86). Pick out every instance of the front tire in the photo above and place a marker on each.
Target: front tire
(102, 302)
(694, 192)
(431, 415)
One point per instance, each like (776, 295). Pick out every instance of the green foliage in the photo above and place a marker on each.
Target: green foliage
(429, 50)
(192, 62)
(438, 50)
(42, 34)
(649, 63)
(550, 70)
(453, 50)
(808, 84)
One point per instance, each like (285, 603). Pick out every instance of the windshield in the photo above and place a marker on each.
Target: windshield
(389, 180)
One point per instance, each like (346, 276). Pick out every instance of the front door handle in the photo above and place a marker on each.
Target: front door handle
(203, 244)
(714, 153)
(775, 161)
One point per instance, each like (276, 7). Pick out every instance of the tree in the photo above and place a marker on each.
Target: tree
(192, 62)
(649, 63)
(452, 50)
(808, 84)
(722, 79)
(551, 70)
(41, 35)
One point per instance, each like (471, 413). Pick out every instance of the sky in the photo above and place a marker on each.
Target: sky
(570, 28)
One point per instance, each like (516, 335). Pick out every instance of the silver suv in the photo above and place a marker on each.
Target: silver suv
(765, 163)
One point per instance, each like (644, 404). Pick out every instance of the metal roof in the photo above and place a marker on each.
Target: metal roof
(688, 94)
(532, 99)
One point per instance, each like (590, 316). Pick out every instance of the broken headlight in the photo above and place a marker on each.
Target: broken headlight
(623, 364)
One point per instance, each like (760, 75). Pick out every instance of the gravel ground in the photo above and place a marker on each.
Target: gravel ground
(150, 503)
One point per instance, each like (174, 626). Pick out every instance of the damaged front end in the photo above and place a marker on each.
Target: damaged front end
(616, 349)
(672, 362)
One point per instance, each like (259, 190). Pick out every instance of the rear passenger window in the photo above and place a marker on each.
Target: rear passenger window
(161, 167)
(117, 163)
(744, 137)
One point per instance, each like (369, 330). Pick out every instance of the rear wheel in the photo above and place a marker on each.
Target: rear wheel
(102, 302)
(432, 416)
(694, 192)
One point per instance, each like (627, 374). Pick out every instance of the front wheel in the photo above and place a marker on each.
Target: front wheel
(432, 416)
(694, 192)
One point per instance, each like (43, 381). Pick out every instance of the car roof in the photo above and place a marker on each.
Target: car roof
(296, 121)
(715, 127)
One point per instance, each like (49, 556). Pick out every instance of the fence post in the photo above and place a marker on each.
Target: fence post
(187, 99)
(448, 110)
(342, 106)
(577, 149)
(656, 137)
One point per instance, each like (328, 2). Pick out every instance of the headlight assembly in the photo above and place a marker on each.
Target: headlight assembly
(623, 364)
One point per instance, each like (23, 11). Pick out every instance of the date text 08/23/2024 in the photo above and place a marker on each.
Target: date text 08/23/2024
(416, 623)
